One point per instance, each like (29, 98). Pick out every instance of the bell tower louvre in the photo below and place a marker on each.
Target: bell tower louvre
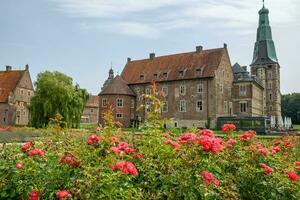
(265, 67)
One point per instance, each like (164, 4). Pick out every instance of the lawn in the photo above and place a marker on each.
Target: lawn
(297, 127)
(17, 136)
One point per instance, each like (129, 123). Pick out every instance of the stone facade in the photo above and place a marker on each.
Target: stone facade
(19, 89)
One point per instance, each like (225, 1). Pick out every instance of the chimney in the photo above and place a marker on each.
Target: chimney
(128, 60)
(225, 45)
(152, 56)
(8, 68)
(199, 49)
(27, 67)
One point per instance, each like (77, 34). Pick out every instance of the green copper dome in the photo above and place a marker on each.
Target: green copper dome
(264, 49)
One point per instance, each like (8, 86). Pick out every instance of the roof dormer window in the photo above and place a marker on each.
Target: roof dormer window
(165, 75)
(181, 73)
(199, 72)
(155, 76)
(142, 77)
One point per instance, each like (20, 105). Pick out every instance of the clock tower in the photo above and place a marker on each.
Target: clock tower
(266, 68)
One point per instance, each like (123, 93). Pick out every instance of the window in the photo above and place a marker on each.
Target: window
(155, 76)
(132, 103)
(182, 89)
(21, 91)
(270, 74)
(242, 90)
(200, 88)
(148, 91)
(271, 108)
(104, 102)
(119, 102)
(28, 93)
(243, 107)
(270, 97)
(221, 88)
(181, 73)
(165, 75)
(164, 91)
(92, 110)
(148, 107)
(119, 115)
(199, 72)
(199, 106)
(182, 106)
(165, 106)
(142, 77)
(270, 85)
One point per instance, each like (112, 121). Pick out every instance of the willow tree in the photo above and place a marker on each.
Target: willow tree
(55, 93)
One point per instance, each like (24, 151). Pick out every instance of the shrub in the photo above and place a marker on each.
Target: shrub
(195, 165)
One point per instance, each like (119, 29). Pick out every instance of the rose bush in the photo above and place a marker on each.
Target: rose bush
(109, 164)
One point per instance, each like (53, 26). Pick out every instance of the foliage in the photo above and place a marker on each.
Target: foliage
(115, 165)
(55, 93)
(208, 123)
(290, 106)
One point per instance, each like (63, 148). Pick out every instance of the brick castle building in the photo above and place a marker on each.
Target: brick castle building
(16, 90)
(199, 85)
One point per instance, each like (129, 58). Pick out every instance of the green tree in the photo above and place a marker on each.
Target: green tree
(55, 93)
(290, 105)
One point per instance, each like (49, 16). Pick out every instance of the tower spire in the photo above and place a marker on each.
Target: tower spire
(264, 50)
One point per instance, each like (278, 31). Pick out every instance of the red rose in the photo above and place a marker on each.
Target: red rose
(262, 165)
(36, 151)
(63, 194)
(126, 168)
(293, 175)
(228, 127)
(187, 137)
(209, 178)
(34, 195)
(26, 146)
(19, 165)
(207, 132)
(268, 170)
(230, 143)
(275, 150)
(92, 139)
(139, 155)
(173, 143)
(247, 135)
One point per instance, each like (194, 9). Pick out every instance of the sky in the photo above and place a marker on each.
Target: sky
(84, 38)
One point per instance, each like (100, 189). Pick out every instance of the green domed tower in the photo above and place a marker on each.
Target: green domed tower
(265, 66)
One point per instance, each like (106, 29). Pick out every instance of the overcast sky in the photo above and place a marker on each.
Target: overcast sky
(83, 37)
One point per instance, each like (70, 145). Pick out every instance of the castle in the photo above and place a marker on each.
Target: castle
(199, 85)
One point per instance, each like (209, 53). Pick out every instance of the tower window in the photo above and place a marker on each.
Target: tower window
(164, 91)
(120, 103)
(243, 90)
(270, 97)
(119, 115)
(200, 88)
(155, 76)
(243, 107)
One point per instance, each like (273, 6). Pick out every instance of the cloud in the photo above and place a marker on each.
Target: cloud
(152, 18)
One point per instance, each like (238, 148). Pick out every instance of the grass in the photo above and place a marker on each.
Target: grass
(17, 136)
(297, 127)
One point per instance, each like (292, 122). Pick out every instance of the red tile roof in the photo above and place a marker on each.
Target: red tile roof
(117, 86)
(206, 60)
(93, 101)
(8, 82)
